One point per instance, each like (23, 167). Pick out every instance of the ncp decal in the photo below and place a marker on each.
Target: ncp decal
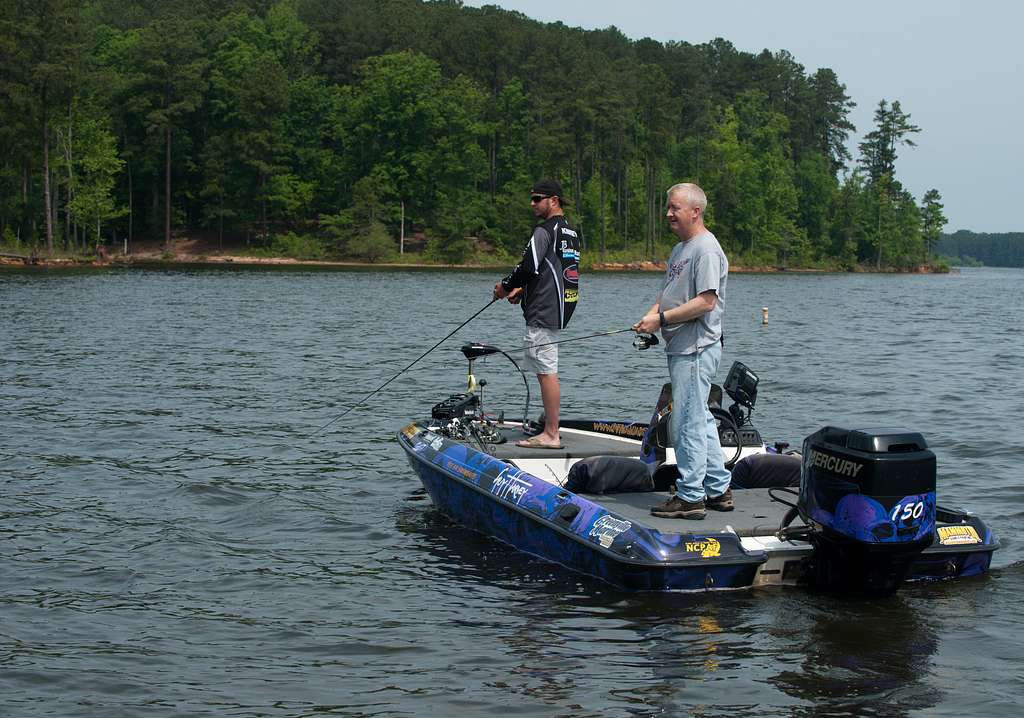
(706, 547)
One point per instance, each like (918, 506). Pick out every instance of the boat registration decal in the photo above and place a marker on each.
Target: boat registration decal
(707, 547)
(607, 528)
(952, 535)
(509, 487)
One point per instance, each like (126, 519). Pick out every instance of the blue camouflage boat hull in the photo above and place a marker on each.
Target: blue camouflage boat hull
(497, 499)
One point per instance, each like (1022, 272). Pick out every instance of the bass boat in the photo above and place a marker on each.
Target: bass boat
(853, 512)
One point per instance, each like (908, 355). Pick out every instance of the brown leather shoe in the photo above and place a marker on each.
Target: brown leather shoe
(721, 503)
(676, 508)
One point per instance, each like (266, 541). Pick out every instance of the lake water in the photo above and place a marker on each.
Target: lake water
(175, 538)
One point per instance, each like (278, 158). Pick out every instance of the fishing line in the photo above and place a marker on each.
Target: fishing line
(407, 368)
(480, 351)
(650, 339)
(573, 339)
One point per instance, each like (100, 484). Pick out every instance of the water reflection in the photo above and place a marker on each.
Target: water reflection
(862, 658)
(565, 636)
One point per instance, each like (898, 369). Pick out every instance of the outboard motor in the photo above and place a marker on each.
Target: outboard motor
(869, 497)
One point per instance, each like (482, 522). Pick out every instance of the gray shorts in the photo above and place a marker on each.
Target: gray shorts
(541, 360)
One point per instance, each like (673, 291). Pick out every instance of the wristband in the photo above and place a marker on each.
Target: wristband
(661, 318)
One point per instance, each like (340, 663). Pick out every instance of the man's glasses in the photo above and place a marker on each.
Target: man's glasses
(538, 197)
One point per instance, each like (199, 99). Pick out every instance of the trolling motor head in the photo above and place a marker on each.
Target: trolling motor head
(475, 350)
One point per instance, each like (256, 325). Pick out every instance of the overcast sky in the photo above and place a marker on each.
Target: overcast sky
(956, 67)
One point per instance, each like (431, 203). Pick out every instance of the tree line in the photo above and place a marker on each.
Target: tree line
(331, 129)
(1004, 249)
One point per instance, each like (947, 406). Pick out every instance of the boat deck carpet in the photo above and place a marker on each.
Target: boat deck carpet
(756, 514)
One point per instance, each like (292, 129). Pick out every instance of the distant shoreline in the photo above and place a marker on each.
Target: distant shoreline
(188, 254)
(242, 261)
(151, 259)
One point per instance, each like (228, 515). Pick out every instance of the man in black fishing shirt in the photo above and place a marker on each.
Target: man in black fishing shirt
(546, 281)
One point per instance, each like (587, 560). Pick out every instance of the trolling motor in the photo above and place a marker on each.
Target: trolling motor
(868, 498)
(458, 406)
(472, 352)
(464, 412)
(463, 405)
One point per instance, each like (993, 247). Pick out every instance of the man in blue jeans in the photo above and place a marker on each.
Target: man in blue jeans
(688, 311)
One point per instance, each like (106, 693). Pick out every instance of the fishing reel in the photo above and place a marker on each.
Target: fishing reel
(643, 341)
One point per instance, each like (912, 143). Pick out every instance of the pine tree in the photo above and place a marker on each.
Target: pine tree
(932, 221)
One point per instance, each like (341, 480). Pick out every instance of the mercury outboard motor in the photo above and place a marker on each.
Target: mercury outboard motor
(869, 497)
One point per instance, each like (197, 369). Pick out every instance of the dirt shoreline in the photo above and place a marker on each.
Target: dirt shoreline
(188, 252)
(176, 259)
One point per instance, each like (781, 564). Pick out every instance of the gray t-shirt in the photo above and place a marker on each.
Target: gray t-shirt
(696, 266)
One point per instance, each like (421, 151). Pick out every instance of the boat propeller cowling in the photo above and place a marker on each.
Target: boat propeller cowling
(869, 497)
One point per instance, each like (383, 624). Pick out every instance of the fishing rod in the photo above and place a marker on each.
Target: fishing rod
(407, 368)
(641, 341)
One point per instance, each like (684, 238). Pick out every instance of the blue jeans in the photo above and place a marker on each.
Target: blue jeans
(699, 456)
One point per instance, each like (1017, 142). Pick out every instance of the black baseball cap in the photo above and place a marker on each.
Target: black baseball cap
(549, 188)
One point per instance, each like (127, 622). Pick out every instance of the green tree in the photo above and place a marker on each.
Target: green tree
(96, 167)
(816, 189)
(879, 149)
(170, 66)
(510, 128)
(42, 57)
(896, 234)
(217, 160)
(849, 222)
(285, 115)
(910, 246)
(884, 234)
(597, 216)
(751, 178)
(419, 137)
(372, 245)
(829, 110)
(932, 221)
(269, 116)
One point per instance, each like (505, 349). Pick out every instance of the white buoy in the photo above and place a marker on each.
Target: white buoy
(764, 315)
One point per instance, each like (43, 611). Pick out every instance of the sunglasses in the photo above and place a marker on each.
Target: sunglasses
(539, 197)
